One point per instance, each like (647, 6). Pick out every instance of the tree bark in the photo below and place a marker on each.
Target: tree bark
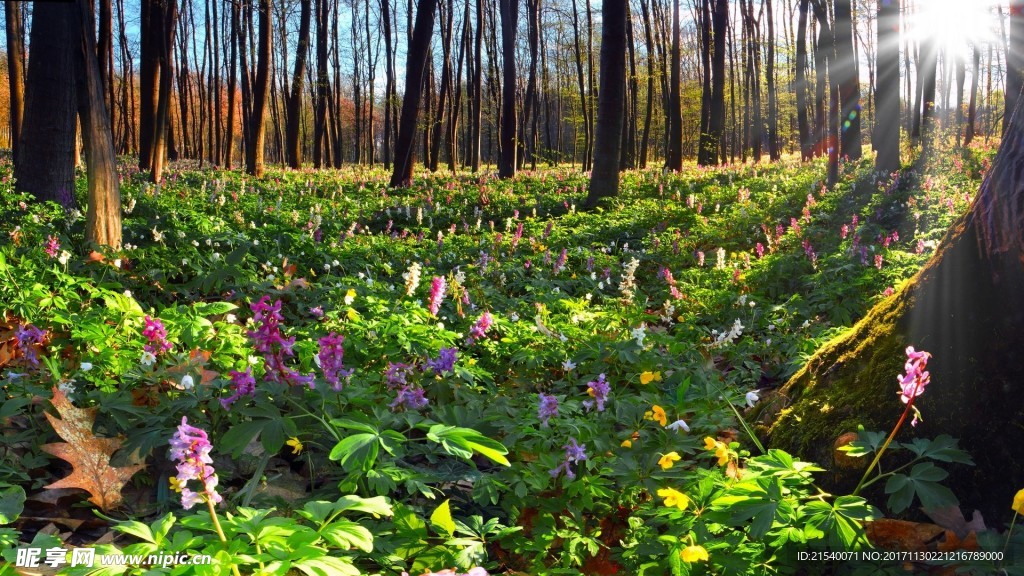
(292, 147)
(257, 122)
(887, 98)
(149, 79)
(15, 70)
(320, 137)
(419, 46)
(773, 106)
(164, 27)
(803, 126)
(845, 70)
(1014, 61)
(674, 154)
(509, 23)
(972, 107)
(604, 181)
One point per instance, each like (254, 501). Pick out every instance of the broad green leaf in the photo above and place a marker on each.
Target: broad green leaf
(358, 451)
(12, 502)
(346, 535)
(442, 518)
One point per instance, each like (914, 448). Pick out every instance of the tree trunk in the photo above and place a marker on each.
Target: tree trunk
(604, 181)
(149, 79)
(509, 23)
(719, 22)
(773, 106)
(674, 154)
(165, 18)
(419, 46)
(844, 67)
(103, 218)
(15, 70)
(45, 165)
(803, 126)
(322, 92)
(963, 307)
(254, 147)
(476, 116)
(292, 147)
(1014, 60)
(389, 80)
(972, 107)
(645, 138)
(929, 64)
(887, 98)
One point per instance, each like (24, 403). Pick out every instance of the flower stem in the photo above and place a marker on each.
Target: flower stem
(878, 455)
(1008, 534)
(220, 531)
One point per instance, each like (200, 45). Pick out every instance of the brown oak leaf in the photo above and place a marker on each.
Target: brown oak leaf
(88, 454)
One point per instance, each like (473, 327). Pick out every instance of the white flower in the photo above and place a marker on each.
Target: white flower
(64, 257)
(639, 334)
(555, 290)
(187, 382)
(117, 263)
(66, 386)
(563, 337)
(752, 398)
(316, 360)
(158, 236)
(86, 366)
(568, 365)
(253, 359)
(230, 318)
(678, 425)
(148, 358)
(513, 317)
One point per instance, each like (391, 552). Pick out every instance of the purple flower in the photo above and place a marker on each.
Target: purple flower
(560, 263)
(190, 447)
(445, 361)
(410, 398)
(598, 389)
(574, 453)
(243, 384)
(268, 340)
(156, 333)
(913, 382)
(479, 330)
(29, 336)
(548, 408)
(332, 355)
(396, 373)
(437, 289)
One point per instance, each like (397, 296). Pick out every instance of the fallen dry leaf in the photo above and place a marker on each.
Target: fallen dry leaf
(892, 534)
(89, 455)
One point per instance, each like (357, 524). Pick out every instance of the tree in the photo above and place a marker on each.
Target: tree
(320, 135)
(711, 141)
(674, 154)
(886, 139)
(261, 84)
(419, 46)
(292, 147)
(509, 23)
(15, 70)
(845, 70)
(1014, 60)
(604, 181)
(963, 307)
(803, 125)
(163, 21)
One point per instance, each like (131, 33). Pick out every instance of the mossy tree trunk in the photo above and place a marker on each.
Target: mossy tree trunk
(965, 307)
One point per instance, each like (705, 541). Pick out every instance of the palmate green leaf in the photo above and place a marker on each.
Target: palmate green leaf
(12, 502)
(356, 452)
(326, 566)
(463, 441)
(841, 521)
(942, 448)
(866, 443)
(923, 481)
(345, 534)
(758, 501)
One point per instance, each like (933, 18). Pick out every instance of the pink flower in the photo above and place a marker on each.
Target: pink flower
(437, 289)
(915, 379)
(52, 246)
(479, 330)
(190, 447)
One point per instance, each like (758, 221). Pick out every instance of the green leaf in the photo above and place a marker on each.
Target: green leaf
(346, 535)
(842, 521)
(358, 451)
(463, 441)
(923, 481)
(442, 518)
(943, 448)
(240, 435)
(137, 529)
(214, 308)
(326, 566)
(353, 425)
(234, 258)
(12, 502)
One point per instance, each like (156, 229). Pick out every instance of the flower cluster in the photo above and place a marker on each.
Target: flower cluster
(52, 246)
(412, 278)
(915, 379)
(156, 333)
(331, 359)
(437, 289)
(479, 329)
(268, 340)
(574, 454)
(548, 408)
(29, 336)
(657, 414)
(598, 390)
(445, 361)
(190, 447)
(628, 283)
(410, 398)
(242, 384)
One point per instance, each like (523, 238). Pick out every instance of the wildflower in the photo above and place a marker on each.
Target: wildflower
(721, 449)
(878, 261)
(668, 460)
(296, 445)
(479, 330)
(700, 258)
(175, 484)
(574, 453)
(29, 336)
(627, 443)
(679, 425)
(437, 290)
(409, 397)
(243, 384)
(598, 390)
(759, 248)
(445, 361)
(568, 365)
(639, 334)
(547, 409)
(64, 257)
(86, 366)
(187, 382)
(52, 246)
(674, 498)
(156, 333)
(656, 413)
(190, 447)
(350, 296)
(412, 278)
(331, 356)
(560, 262)
(752, 398)
(66, 386)
(648, 377)
(1018, 502)
(694, 554)
(148, 358)
(268, 340)
(720, 259)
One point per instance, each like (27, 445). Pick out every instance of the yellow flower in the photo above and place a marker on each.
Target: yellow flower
(674, 498)
(648, 377)
(175, 484)
(350, 296)
(720, 448)
(1018, 502)
(626, 443)
(694, 554)
(656, 413)
(352, 314)
(668, 460)
(296, 445)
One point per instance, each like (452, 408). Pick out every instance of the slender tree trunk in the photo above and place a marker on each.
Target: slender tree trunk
(887, 99)
(167, 20)
(773, 106)
(476, 116)
(604, 181)
(803, 126)
(103, 217)
(584, 109)
(705, 145)
(972, 104)
(254, 148)
(292, 147)
(149, 79)
(447, 26)
(509, 23)
(320, 112)
(389, 80)
(929, 63)
(719, 22)
(845, 69)
(15, 70)
(1014, 61)
(419, 46)
(645, 138)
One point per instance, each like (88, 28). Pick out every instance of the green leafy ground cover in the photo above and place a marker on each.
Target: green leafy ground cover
(590, 422)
